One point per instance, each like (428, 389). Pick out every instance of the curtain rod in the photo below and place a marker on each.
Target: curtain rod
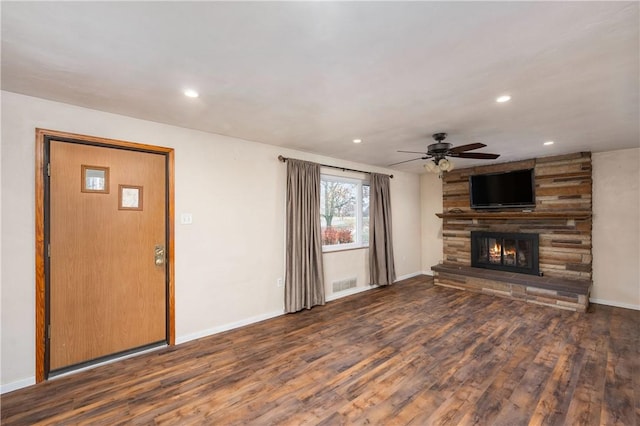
(344, 169)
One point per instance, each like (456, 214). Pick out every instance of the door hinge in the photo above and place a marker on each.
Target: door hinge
(48, 250)
(49, 169)
(49, 331)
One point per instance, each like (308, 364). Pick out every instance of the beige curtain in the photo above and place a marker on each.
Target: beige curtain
(381, 268)
(304, 282)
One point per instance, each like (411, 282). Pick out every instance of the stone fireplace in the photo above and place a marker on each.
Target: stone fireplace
(515, 247)
(505, 251)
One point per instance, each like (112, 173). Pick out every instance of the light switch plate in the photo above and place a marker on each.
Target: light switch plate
(186, 219)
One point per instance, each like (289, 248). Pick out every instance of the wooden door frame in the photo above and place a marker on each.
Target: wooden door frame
(42, 137)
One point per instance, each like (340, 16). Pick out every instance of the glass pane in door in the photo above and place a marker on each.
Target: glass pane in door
(495, 250)
(524, 254)
(509, 252)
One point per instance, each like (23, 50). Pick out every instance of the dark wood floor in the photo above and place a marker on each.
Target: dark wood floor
(408, 354)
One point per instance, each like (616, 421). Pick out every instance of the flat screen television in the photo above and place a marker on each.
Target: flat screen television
(515, 189)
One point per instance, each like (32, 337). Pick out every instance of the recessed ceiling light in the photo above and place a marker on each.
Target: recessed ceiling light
(503, 98)
(548, 143)
(357, 141)
(190, 93)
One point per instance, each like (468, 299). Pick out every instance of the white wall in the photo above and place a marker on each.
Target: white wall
(431, 199)
(227, 262)
(616, 228)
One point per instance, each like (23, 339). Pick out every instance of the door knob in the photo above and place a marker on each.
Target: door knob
(159, 255)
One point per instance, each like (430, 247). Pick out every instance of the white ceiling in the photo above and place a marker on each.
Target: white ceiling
(314, 75)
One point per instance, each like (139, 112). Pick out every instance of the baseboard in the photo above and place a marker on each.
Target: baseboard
(9, 387)
(429, 272)
(407, 276)
(227, 327)
(357, 290)
(616, 304)
(349, 292)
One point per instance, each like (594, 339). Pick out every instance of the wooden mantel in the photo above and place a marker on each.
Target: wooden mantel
(576, 215)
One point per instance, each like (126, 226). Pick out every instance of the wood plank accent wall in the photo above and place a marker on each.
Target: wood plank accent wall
(562, 216)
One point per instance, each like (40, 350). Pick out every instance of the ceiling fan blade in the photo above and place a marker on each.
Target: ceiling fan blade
(478, 155)
(414, 152)
(468, 147)
(406, 161)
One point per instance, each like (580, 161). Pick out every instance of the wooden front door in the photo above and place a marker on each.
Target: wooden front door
(107, 282)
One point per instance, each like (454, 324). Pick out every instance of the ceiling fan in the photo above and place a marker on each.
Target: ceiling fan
(440, 150)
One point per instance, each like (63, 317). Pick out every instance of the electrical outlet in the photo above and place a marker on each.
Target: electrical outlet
(279, 282)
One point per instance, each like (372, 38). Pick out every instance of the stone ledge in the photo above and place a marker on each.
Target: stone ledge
(548, 283)
(548, 291)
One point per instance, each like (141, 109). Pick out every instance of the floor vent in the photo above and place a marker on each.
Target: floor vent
(343, 285)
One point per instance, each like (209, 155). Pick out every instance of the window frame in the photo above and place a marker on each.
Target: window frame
(358, 243)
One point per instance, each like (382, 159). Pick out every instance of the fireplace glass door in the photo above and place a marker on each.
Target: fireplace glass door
(515, 252)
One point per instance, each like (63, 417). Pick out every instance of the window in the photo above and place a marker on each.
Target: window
(344, 213)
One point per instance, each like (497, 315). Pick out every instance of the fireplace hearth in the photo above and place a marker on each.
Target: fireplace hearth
(505, 251)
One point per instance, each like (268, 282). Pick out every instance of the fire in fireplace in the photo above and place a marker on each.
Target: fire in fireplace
(505, 251)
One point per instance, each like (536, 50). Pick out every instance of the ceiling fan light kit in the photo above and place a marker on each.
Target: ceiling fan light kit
(445, 165)
(431, 167)
(437, 166)
(440, 150)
